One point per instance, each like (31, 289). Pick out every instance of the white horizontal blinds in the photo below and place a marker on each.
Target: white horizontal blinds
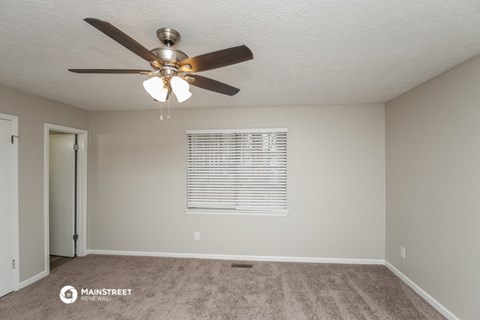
(237, 170)
(211, 165)
(261, 178)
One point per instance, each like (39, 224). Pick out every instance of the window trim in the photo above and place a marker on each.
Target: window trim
(225, 212)
(274, 213)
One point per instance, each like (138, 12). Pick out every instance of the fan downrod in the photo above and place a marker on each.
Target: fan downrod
(168, 36)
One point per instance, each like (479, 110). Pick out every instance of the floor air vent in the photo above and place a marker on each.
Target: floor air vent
(242, 265)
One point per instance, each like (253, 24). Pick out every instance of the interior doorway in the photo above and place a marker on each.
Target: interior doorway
(63, 152)
(65, 194)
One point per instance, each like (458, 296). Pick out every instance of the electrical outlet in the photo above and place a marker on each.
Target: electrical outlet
(403, 253)
(196, 236)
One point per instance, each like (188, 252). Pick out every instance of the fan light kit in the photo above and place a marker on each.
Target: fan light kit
(172, 70)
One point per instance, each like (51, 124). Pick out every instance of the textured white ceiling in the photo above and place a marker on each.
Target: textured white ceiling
(306, 52)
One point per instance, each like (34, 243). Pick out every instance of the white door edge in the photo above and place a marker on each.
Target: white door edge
(15, 213)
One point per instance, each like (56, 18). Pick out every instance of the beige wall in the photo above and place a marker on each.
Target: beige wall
(336, 172)
(433, 187)
(336, 184)
(33, 112)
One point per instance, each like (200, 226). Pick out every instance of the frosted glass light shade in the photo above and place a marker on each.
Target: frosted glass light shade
(156, 88)
(181, 88)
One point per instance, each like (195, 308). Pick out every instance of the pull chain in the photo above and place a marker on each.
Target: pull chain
(161, 111)
(168, 117)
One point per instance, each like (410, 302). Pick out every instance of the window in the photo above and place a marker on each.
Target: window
(237, 171)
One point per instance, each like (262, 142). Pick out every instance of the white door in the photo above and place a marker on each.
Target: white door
(6, 207)
(62, 194)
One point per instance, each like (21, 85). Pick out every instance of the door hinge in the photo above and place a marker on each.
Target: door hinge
(75, 237)
(76, 147)
(12, 139)
(13, 264)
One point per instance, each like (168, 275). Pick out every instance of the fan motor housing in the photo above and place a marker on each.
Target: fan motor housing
(170, 56)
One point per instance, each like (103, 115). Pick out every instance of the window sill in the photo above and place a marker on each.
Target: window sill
(279, 213)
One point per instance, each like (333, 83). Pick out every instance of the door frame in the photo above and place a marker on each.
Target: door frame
(15, 210)
(81, 189)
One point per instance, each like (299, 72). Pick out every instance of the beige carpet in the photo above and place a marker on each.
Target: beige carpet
(166, 288)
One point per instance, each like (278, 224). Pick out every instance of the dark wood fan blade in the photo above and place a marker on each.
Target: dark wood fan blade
(115, 71)
(217, 59)
(212, 85)
(122, 38)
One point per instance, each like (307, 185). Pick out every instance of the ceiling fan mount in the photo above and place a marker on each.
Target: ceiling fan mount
(168, 36)
(173, 70)
(170, 57)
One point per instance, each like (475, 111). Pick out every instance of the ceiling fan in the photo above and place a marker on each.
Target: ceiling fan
(171, 68)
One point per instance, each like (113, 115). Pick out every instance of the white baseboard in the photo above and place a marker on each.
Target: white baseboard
(33, 279)
(236, 257)
(422, 293)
